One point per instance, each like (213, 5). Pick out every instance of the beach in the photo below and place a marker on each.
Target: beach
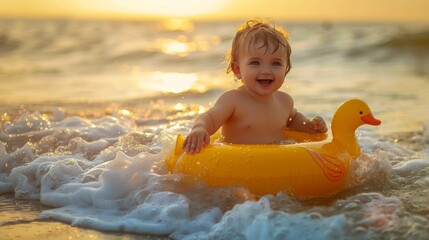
(91, 109)
(19, 221)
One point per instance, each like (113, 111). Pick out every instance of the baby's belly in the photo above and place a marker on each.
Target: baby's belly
(253, 137)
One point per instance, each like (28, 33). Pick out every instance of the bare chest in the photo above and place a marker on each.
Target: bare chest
(266, 118)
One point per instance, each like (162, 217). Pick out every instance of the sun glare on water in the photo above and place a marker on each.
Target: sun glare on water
(177, 48)
(171, 82)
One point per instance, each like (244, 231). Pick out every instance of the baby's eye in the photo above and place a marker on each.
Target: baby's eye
(277, 63)
(254, 63)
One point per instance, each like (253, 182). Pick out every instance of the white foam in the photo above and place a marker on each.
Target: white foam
(369, 166)
(81, 145)
(26, 179)
(256, 220)
(118, 178)
(369, 142)
(27, 122)
(126, 198)
(59, 114)
(405, 168)
(80, 168)
(166, 213)
(161, 213)
(17, 158)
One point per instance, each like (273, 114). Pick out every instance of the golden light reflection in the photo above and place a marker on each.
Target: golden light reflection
(179, 107)
(5, 118)
(172, 82)
(201, 109)
(181, 46)
(180, 49)
(177, 24)
(124, 112)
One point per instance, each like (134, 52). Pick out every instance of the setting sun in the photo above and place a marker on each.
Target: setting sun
(311, 10)
(181, 8)
(111, 8)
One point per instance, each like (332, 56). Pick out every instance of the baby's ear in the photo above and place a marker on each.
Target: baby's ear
(287, 71)
(236, 70)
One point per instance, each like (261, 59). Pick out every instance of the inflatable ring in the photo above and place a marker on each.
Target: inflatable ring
(312, 167)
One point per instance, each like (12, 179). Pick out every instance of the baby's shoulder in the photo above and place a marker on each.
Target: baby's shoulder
(283, 97)
(233, 93)
(229, 97)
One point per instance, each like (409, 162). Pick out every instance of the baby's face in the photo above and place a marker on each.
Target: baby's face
(261, 68)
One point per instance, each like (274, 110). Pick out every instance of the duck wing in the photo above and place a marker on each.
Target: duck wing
(332, 167)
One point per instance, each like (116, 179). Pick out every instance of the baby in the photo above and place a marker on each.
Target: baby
(256, 112)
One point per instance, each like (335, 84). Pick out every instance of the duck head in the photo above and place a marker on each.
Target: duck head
(349, 116)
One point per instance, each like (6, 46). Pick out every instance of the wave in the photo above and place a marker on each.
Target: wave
(7, 43)
(129, 56)
(412, 41)
(107, 173)
(402, 41)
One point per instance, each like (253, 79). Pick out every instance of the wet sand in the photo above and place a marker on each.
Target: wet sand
(18, 220)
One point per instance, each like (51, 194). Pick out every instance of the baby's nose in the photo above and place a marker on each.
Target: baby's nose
(266, 70)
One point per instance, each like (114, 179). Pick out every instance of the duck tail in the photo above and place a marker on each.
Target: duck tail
(175, 154)
(178, 150)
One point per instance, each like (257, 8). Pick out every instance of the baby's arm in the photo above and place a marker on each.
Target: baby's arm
(200, 134)
(299, 122)
(209, 122)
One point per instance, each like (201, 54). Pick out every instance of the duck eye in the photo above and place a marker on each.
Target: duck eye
(360, 112)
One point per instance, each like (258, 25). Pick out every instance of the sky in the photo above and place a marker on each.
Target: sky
(301, 10)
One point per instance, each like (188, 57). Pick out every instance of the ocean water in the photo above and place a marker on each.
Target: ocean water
(90, 109)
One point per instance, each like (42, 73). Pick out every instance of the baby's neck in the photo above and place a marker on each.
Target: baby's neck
(259, 98)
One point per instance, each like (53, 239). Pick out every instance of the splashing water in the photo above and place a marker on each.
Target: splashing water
(99, 163)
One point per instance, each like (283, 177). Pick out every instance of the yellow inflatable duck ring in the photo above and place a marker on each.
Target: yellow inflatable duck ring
(312, 167)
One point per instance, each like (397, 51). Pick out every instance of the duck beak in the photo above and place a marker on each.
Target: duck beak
(370, 119)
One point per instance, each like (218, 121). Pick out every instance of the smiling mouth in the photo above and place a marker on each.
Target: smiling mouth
(265, 81)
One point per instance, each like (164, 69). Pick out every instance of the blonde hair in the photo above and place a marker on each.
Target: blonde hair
(257, 30)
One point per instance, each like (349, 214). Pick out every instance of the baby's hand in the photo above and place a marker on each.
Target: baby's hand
(318, 124)
(196, 139)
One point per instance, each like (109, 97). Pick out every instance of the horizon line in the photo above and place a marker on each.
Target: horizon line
(201, 19)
